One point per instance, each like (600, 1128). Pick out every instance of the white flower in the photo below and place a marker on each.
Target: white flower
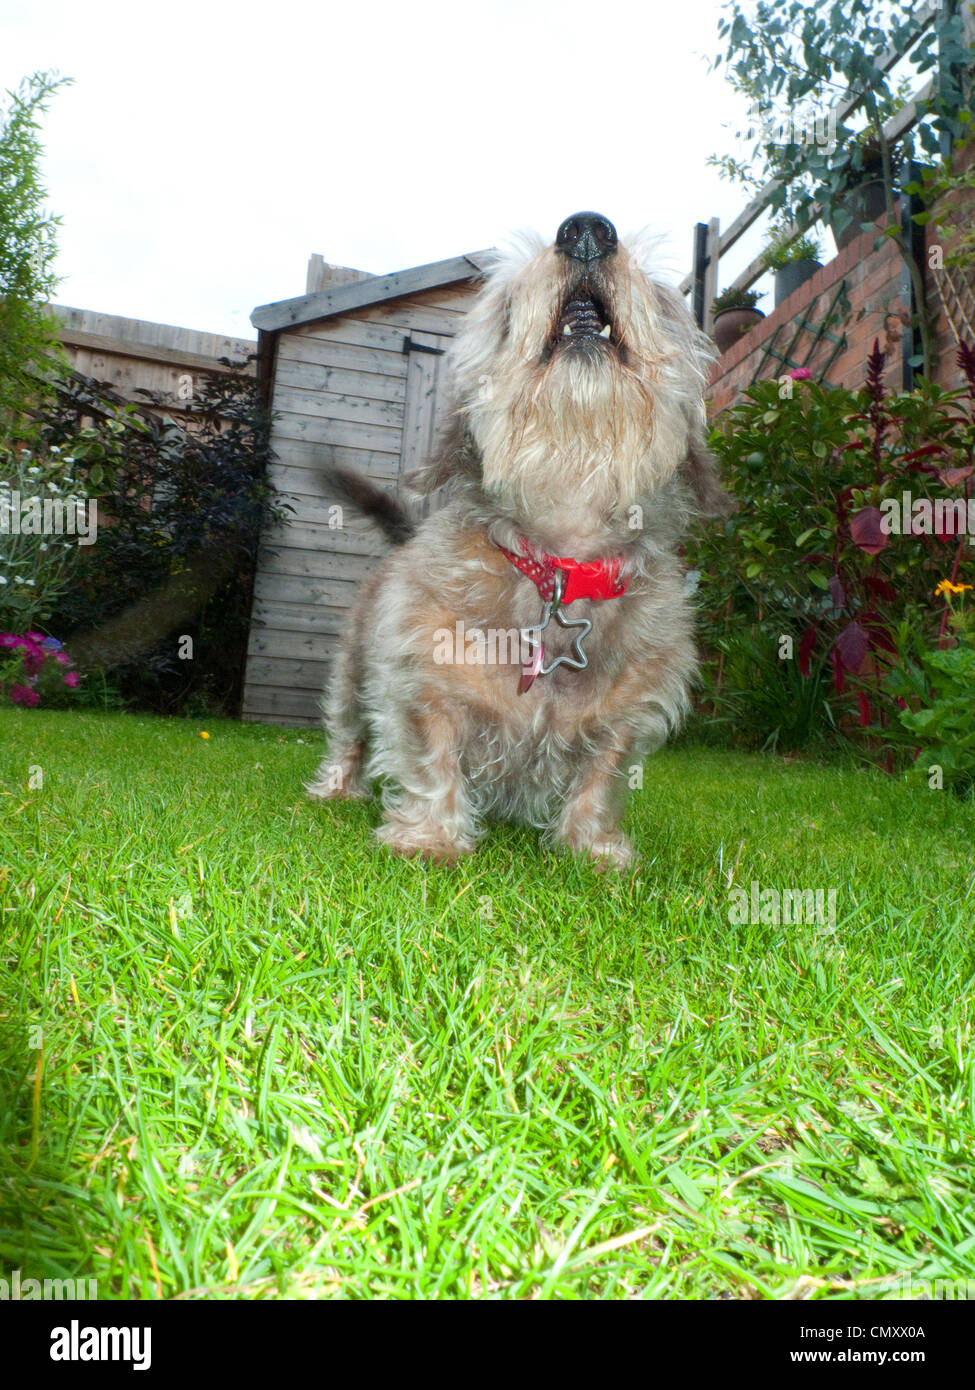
(54, 449)
(3, 579)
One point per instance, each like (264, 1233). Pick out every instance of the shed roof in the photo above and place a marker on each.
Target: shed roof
(288, 313)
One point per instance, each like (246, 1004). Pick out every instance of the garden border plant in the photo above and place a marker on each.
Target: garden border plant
(810, 555)
(162, 602)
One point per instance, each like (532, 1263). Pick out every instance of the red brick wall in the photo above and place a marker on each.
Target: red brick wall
(874, 284)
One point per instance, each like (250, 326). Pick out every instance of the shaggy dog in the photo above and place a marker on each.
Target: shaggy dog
(575, 460)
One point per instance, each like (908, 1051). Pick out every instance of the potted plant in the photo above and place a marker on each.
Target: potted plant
(793, 262)
(734, 314)
(792, 61)
(863, 196)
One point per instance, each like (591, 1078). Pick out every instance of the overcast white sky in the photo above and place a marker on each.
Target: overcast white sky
(206, 150)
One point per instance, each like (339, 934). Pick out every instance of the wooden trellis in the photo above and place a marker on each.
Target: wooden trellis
(835, 317)
(957, 297)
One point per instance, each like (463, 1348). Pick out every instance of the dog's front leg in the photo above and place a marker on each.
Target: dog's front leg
(429, 811)
(589, 822)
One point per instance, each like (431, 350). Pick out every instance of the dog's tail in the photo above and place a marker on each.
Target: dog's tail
(379, 506)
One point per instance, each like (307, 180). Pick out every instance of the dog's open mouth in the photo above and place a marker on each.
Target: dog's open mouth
(583, 320)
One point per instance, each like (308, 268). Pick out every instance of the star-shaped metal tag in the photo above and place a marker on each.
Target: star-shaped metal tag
(535, 666)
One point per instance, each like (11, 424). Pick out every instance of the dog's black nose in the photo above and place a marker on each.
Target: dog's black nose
(585, 236)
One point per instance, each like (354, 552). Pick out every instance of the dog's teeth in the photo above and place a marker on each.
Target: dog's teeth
(604, 332)
(567, 331)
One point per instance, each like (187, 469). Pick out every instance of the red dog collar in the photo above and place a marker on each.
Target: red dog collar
(595, 579)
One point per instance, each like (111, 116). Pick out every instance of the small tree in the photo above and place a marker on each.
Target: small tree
(28, 337)
(796, 61)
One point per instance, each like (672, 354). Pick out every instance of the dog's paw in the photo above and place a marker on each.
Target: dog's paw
(614, 852)
(428, 841)
(609, 851)
(326, 791)
(338, 781)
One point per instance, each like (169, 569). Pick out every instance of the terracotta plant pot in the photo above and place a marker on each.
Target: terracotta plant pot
(730, 324)
(789, 277)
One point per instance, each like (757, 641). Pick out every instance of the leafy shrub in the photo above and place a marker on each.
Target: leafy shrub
(818, 475)
(180, 514)
(942, 723)
(35, 569)
(934, 687)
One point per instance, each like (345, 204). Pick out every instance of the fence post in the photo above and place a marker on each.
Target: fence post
(711, 271)
(699, 265)
(707, 245)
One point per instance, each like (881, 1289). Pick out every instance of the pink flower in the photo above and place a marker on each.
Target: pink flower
(28, 644)
(72, 678)
(23, 695)
(801, 374)
(62, 659)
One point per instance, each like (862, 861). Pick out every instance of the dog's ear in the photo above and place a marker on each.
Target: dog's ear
(700, 472)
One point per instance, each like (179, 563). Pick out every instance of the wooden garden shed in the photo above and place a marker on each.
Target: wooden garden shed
(353, 370)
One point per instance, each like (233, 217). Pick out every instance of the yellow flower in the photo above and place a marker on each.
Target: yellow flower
(204, 734)
(946, 587)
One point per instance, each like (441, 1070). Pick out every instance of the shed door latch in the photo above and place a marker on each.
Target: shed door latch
(410, 346)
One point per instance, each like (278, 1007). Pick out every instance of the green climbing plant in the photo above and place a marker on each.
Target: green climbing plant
(796, 62)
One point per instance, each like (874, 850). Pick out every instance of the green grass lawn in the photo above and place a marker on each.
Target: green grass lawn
(245, 1053)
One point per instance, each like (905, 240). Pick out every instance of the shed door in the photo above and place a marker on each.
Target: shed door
(427, 398)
